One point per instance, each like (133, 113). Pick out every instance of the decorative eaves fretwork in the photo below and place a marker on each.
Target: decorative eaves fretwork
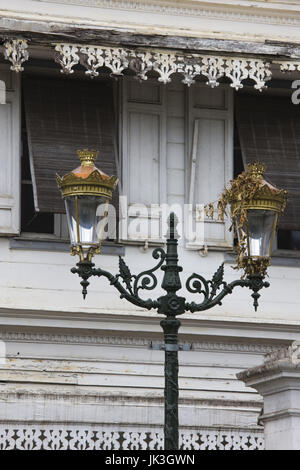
(289, 66)
(15, 50)
(165, 64)
(67, 57)
(260, 73)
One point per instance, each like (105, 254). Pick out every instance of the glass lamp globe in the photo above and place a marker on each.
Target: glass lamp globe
(256, 222)
(86, 192)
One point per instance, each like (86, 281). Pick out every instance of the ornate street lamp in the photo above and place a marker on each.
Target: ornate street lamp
(256, 228)
(86, 192)
(255, 217)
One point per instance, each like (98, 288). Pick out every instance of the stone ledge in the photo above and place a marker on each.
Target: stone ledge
(287, 358)
(23, 243)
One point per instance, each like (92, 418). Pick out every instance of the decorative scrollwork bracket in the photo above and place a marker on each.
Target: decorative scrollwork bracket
(15, 50)
(131, 285)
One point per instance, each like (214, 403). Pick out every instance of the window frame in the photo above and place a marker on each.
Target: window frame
(58, 240)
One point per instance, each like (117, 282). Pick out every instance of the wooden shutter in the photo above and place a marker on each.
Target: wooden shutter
(10, 153)
(144, 160)
(63, 116)
(211, 157)
(269, 132)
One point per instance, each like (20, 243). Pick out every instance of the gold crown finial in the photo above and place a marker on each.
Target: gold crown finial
(256, 169)
(87, 157)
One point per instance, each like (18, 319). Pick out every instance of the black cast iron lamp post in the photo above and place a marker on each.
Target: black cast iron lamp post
(82, 186)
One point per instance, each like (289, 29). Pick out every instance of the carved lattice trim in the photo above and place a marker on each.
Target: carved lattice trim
(165, 64)
(90, 437)
(15, 50)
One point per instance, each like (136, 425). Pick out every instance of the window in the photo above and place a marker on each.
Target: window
(59, 117)
(268, 129)
(153, 130)
(159, 151)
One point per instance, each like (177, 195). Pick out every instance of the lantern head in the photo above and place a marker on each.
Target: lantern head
(254, 211)
(86, 192)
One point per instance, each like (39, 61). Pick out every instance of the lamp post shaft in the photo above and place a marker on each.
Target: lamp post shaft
(171, 305)
(170, 327)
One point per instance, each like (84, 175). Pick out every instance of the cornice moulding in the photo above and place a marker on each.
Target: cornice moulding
(232, 11)
(85, 396)
(280, 363)
(142, 318)
(58, 338)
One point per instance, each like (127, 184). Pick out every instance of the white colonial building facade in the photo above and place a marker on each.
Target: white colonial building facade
(177, 97)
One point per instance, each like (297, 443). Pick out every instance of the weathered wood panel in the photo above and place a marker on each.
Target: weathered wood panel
(144, 158)
(10, 154)
(211, 155)
(42, 33)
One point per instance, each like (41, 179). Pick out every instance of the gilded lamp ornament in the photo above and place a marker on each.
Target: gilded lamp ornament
(255, 206)
(86, 192)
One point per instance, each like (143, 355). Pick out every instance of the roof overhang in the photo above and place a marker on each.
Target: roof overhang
(121, 49)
